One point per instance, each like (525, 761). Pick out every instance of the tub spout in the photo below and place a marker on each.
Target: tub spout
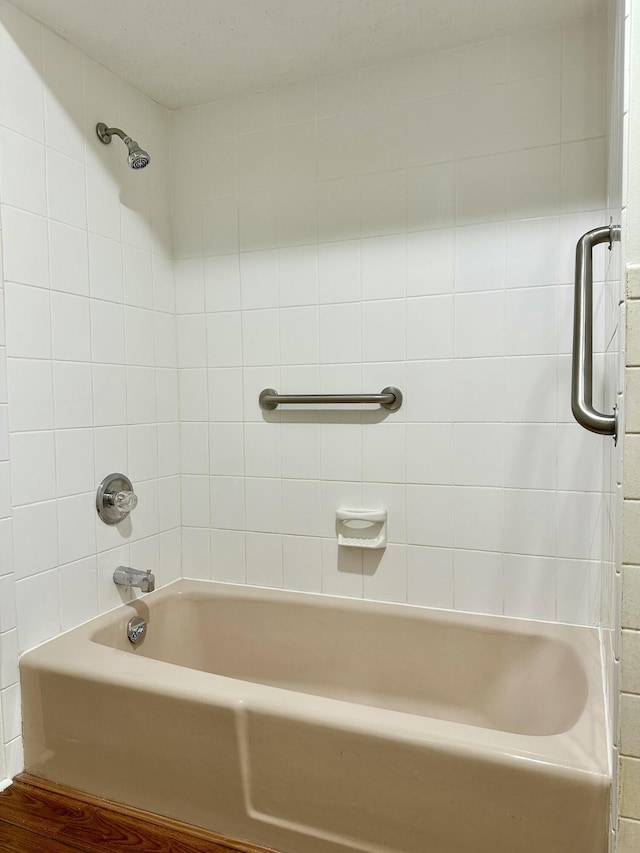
(126, 576)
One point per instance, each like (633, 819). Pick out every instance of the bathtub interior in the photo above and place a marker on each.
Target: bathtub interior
(492, 673)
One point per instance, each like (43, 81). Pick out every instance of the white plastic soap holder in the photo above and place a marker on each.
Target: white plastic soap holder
(362, 528)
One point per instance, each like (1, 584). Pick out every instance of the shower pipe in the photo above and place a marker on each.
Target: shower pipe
(582, 364)
(389, 398)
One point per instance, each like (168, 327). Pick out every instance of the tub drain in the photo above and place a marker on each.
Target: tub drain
(136, 629)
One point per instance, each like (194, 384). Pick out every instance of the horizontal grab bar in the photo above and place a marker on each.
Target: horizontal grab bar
(582, 364)
(389, 398)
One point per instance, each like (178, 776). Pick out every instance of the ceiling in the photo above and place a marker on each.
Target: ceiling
(187, 52)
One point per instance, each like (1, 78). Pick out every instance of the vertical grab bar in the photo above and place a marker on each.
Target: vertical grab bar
(582, 364)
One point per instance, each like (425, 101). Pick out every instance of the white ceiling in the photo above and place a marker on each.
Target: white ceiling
(186, 52)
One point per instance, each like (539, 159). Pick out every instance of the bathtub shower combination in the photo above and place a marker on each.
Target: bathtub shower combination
(318, 724)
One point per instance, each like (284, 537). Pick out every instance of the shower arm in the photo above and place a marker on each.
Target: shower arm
(105, 133)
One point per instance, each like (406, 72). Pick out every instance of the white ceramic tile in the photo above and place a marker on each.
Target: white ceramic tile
(194, 404)
(534, 111)
(583, 184)
(383, 138)
(430, 515)
(429, 454)
(339, 272)
(341, 570)
(384, 330)
(384, 453)
(297, 275)
(225, 394)
(110, 395)
(533, 182)
(340, 335)
(478, 583)
(530, 453)
(226, 449)
(578, 520)
(383, 203)
(530, 522)
(7, 603)
(168, 449)
(533, 252)
(531, 321)
(430, 199)
(228, 503)
(530, 587)
(481, 189)
(472, 338)
(341, 451)
(105, 266)
(21, 95)
(533, 53)
(34, 554)
(479, 518)
(38, 606)
(301, 507)
(578, 593)
(264, 559)
(195, 501)
(142, 443)
(338, 145)
(137, 277)
(25, 247)
(481, 121)
(228, 556)
(337, 94)
(66, 193)
(196, 552)
(74, 461)
(385, 573)
(8, 658)
(70, 327)
(430, 576)
(431, 130)
(216, 120)
(107, 332)
(295, 153)
(430, 262)
(296, 209)
(142, 404)
(480, 257)
(168, 401)
(339, 209)
(30, 388)
(430, 327)
(78, 593)
(28, 321)
(429, 396)
(478, 454)
(76, 527)
(32, 467)
(302, 563)
(299, 338)
(23, 183)
(260, 338)
(69, 258)
(72, 397)
(584, 103)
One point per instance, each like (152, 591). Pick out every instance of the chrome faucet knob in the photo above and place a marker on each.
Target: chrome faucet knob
(115, 498)
(125, 500)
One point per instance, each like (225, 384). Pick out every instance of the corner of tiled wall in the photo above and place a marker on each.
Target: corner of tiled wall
(629, 826)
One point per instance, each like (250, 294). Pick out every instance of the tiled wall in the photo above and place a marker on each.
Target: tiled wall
(629, 734)
(414, 225)
(90, 344)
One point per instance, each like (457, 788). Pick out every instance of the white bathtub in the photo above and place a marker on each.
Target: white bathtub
(313, 724)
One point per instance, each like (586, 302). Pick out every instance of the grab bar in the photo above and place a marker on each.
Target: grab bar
(389, 398)
(582, 365)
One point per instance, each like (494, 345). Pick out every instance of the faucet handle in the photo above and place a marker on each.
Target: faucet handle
(125, 500)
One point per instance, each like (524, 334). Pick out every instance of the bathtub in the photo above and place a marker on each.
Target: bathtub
(315, 724)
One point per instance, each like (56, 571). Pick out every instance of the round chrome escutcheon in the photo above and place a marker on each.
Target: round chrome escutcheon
(136, 629)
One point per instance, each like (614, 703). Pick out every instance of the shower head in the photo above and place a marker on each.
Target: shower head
(138, 158)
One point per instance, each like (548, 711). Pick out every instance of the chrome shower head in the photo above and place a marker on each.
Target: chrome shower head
(138, 158)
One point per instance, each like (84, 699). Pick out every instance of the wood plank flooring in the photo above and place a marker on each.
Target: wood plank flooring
(39, 817)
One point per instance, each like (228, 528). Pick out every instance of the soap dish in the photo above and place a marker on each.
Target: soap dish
(362, 528)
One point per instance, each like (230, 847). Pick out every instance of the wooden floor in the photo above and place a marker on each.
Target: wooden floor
(39, 817)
